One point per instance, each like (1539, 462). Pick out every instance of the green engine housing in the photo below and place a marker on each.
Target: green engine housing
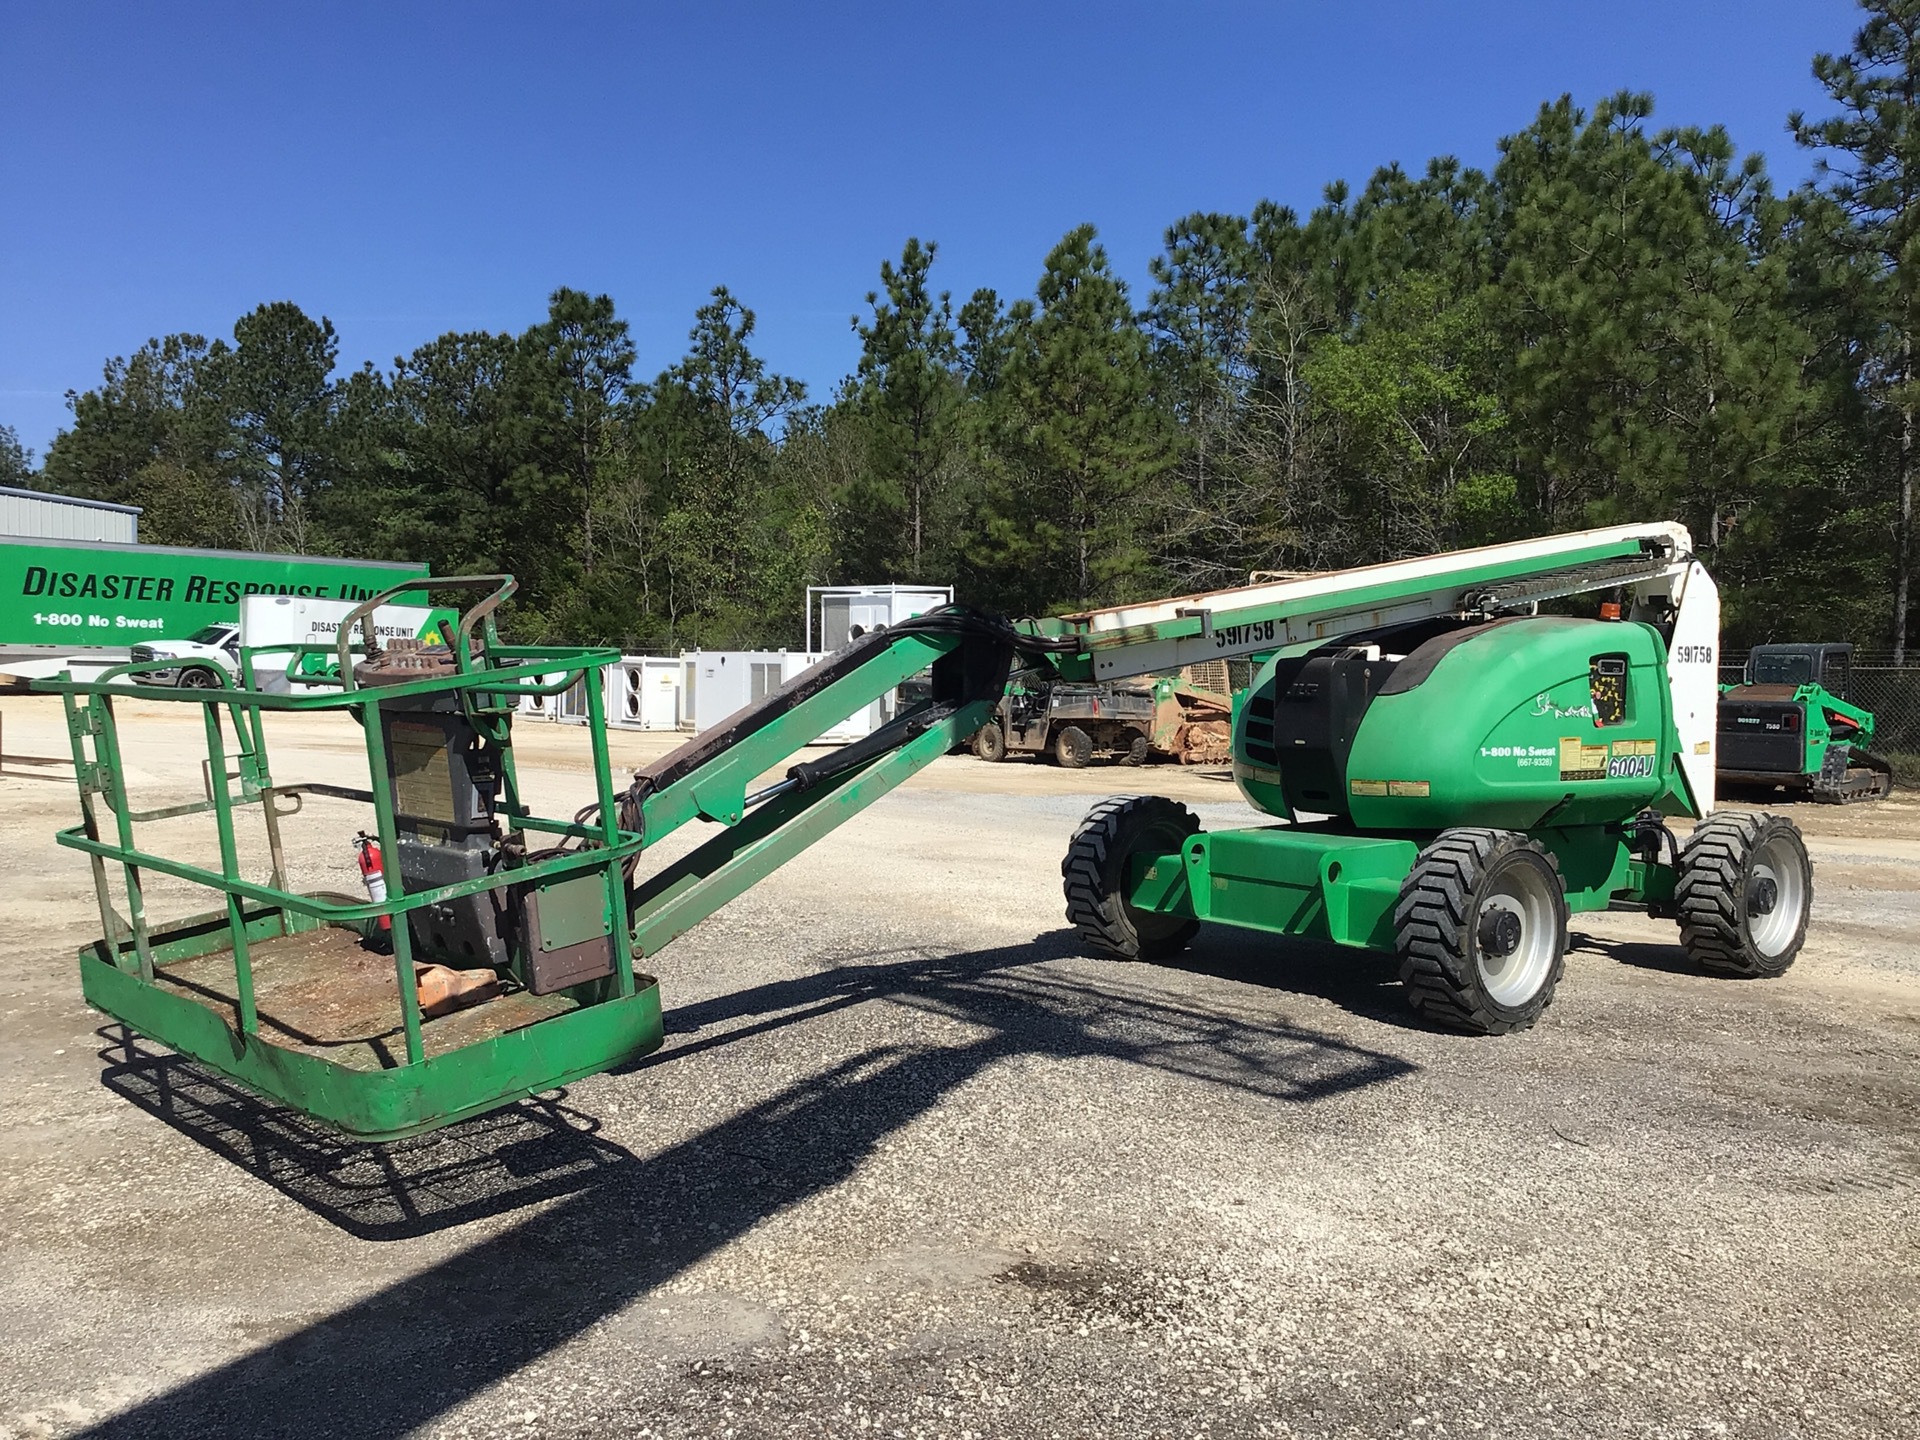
(1517, 724)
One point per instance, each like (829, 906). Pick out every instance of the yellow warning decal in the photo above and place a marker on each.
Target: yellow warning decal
(1703, 747)
(1581, 761)
(1636, 747)
(1409, 787)
(1367, 787)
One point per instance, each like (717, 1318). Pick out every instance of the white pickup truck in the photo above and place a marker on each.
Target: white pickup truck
(203, 656)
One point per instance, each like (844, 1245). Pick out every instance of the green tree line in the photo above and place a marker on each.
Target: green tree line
(1615, 321)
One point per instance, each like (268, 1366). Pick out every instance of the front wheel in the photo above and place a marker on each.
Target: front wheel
(1096, 876)
(1481, 931)
(198, 677)
(1744, 893)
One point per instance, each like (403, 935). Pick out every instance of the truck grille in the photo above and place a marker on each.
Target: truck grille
(142, 652)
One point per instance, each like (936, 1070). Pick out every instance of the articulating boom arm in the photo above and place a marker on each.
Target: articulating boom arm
(970, 655)
(1651, 566)
(1653, 560)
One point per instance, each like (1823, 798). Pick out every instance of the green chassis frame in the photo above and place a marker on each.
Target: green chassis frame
(1323, 884)
(612, 1021)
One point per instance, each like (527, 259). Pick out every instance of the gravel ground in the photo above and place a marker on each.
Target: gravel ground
(909, 1165)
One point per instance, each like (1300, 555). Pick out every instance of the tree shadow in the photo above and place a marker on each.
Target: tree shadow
(394, 1361)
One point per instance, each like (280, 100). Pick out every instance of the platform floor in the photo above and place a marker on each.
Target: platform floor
(323, 992)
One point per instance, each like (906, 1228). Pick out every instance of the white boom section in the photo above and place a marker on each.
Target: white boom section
(1693, 671)
(1653, 563)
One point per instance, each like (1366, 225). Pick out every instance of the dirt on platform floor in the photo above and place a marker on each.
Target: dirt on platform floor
(911, 1164)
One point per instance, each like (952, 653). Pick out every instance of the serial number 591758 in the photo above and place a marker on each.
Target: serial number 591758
(1235, 637)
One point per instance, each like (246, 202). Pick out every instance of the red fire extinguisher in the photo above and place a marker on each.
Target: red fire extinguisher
(372, 873)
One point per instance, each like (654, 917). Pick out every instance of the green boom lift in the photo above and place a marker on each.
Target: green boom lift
(1452, 773)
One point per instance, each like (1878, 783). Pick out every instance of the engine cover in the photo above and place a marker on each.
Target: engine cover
(1298, 723)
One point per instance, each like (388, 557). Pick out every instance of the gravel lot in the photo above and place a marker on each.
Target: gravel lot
(909, 1165)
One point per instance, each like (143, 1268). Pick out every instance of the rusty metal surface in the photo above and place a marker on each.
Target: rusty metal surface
(1194, 727)
(325, 994)
(1208, 742)
(402, 660)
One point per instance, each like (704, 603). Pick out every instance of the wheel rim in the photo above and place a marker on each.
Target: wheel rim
(1516, 934)
(1775, 895)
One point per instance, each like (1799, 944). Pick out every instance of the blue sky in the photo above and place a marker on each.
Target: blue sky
(408, 169)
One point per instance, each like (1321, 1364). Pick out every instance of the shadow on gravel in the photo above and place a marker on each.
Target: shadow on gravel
(1125, 1013)
(537, 1150)
(400, 1358)
(1668, 958)
(1364, 982)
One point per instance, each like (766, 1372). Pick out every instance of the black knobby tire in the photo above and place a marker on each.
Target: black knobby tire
(1094, 876)
(1139, 750)
(1744, 893)
(990, 742)
(1453, 944)
(198, 677)
(1072, 747)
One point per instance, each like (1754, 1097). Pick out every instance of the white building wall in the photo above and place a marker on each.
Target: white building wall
(31, 515)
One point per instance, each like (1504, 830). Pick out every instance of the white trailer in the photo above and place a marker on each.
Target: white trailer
(646, 692)
(845, 612)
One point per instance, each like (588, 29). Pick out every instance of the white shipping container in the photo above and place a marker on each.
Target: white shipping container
(844, 609)
(644, 692)
(718, 682)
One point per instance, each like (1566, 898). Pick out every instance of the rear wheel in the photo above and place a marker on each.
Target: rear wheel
(990, 741)
(1072, 747)
(1744, 894)
(1138, 751)
(1481, 931)
(1096, 872)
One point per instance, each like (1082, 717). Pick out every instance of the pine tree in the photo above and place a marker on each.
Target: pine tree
(276, 392)
(152, 434)
(1654, 366)
(1075, 442)
(909, 391)
(1874, 177)
(580, 363)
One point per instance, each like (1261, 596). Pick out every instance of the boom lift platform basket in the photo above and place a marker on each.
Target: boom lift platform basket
(284, 991)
